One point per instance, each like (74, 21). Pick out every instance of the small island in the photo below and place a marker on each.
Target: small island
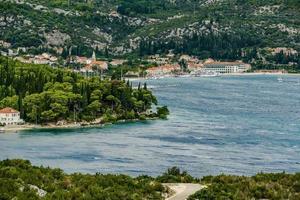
(53, 97)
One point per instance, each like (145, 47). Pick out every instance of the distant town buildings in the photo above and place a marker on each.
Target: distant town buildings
(158, 59)
(5, 44)
(162, 70)
(265, 71)
(188, 64)
(117, 62)
(43, 59)
(95, 66)
(10, 116)
(90, 65)
(285, 51)
(80, 60)
(226, 67)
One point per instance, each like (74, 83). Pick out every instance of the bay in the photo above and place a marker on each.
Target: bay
(230, 124)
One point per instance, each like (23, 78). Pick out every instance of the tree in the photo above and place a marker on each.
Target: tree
(94, 108)
(162, 112)
(9, 102)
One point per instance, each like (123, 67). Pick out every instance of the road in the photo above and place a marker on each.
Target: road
(183, 190)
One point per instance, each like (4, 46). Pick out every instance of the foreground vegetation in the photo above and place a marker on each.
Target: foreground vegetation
(43, 94)
(20, 180)
(260, 186)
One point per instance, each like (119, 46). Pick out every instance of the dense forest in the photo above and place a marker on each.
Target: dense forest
(20, 180)
(44, 94)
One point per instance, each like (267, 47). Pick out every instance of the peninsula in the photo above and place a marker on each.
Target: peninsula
(40, 94)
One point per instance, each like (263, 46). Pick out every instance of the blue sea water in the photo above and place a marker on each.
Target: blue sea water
(230, 124)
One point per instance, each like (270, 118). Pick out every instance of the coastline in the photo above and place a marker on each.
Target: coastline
(260, 73)
(17, 128)
(229, 74)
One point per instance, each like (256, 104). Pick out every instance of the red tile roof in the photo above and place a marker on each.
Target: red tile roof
(98, 64)
(8, 110)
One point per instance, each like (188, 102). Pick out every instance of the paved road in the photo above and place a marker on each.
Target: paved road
(183, 190)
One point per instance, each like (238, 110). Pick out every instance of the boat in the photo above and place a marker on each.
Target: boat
(207, 74)
(185, 76)
(2, 130)
(280, 79)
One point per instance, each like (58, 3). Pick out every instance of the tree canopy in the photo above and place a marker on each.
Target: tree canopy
(43, 94)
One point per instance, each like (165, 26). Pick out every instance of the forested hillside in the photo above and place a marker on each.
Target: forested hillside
(43, 94)
(222, 29)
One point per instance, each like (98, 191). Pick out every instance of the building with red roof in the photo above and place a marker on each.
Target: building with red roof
(9, 116)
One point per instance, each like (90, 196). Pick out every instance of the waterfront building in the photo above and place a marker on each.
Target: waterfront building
(162, 70)
(226, 67)
(10, 116)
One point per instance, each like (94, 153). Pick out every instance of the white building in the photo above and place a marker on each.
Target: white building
(9, 116)
(226, 67)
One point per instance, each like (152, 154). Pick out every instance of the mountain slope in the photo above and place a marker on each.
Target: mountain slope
(201, 27)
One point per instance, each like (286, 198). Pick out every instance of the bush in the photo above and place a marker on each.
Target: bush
(163, 112)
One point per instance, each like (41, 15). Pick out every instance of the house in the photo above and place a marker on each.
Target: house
(194, 66)
(80, 60)
(185, 57)
(117, 62)
(10, 116)
(162, 70)
(96, 65)
(40, 59)
(226, 67)
(157, 59)
(5, 44)
(285, 51)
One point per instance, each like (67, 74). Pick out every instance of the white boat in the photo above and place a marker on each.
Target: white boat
(207, 74)
(2, 130)
(185, 76)
(280, 80)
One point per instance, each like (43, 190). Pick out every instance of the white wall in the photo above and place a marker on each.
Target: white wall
(10, 118)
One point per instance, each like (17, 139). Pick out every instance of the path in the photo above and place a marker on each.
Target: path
(183, 190)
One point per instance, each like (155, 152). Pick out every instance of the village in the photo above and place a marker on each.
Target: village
(157, 66)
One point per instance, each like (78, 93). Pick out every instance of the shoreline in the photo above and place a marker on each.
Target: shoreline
(229, 74)
(260, 73)
(17, 128)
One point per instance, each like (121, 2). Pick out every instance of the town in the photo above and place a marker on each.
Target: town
(151, 66)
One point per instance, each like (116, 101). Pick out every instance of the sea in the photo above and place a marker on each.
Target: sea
(239, 125)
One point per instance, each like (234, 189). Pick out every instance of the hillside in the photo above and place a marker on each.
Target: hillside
(20, 180)
(224, 29)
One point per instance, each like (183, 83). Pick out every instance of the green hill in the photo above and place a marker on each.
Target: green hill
(224, 29)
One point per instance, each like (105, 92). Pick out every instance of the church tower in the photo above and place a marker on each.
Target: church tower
(94, 56)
